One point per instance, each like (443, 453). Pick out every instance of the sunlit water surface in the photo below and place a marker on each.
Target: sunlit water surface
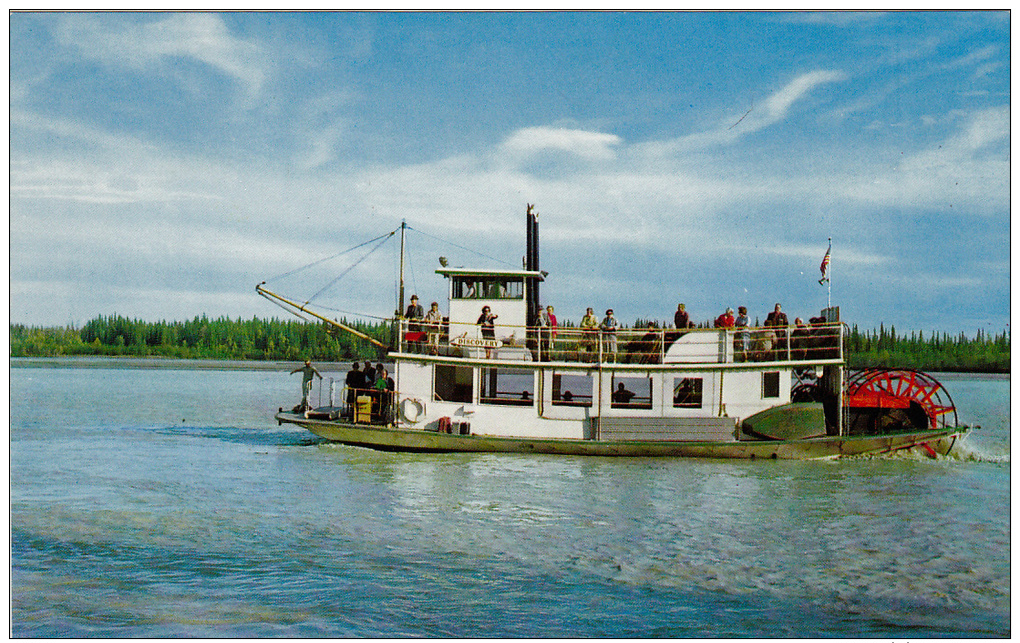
(167, 502)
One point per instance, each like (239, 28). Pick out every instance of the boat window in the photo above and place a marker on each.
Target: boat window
(632, 393)
(507, 386)
(770, 384)
(687, 392)
(488, 288)
(571, 389)
(453, 383)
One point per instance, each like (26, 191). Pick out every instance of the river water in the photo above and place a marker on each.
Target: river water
(164, 502)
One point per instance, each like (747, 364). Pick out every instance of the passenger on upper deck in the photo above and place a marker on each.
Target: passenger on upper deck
(765, 343)
(725, 320)
(542, 322)
(681, 319)
(777, 319)
(589, 329)
(488, 323)
(799, 339)
(434, 323)
(414, 313)
(552, 330)
(608, 327)
(742, 340)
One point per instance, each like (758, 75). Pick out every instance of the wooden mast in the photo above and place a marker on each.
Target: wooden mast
(400, 310)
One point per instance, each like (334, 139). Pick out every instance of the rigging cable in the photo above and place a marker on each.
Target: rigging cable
(292, 312)
(353, 265)
(315, 263)
(461, 247)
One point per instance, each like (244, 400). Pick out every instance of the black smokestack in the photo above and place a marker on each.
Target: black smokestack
(531, 264)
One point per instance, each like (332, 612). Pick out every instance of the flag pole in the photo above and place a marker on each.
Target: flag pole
(828, 280)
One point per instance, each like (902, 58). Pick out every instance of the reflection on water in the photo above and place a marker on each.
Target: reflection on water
(168, 503)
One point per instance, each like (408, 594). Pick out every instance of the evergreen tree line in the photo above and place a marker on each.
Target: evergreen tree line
(938, 352)
(293, 340)
(201, 338)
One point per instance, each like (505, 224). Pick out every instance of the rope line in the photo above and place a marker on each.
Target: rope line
(289, 310)
(480, 254)
(353, 265)
(315, 263)
(353, 313)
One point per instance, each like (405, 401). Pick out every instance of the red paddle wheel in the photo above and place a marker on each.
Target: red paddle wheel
(887, 400)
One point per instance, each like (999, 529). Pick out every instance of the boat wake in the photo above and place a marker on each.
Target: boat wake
(966, 451)
(963, 451)
(275, 436)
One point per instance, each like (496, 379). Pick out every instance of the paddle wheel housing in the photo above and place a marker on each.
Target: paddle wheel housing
(879, 400)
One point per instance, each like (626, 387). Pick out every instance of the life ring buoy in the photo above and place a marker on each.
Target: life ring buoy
(412, 410)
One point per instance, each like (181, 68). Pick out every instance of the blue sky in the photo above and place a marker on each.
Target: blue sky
(163, 164)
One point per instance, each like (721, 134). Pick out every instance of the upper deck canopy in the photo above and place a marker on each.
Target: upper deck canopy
(468, 272)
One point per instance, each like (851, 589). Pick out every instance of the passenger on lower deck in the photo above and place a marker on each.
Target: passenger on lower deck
(355, 381)
(384, 387)
(621, 395)
(307, 373)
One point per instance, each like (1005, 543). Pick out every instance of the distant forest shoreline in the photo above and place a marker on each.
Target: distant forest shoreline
(293, 340)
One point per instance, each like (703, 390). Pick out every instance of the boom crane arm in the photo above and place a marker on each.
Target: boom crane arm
(268, 294)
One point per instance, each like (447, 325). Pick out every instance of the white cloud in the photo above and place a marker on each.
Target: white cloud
(593, 146)
(834, 18)
(967, 171)
(774, 109)
(141, 46)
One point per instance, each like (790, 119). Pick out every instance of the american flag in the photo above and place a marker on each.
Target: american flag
(825, 264)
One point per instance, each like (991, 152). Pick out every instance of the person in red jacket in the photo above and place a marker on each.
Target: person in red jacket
(725, 320)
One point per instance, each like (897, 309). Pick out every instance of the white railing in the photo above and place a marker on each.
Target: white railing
(816, 342)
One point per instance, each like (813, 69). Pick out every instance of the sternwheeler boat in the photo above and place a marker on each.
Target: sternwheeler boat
(523, 385)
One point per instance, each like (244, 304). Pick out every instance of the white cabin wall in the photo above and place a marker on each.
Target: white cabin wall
(415, 380)
(709, 394)
(464, 315)
(742, 392)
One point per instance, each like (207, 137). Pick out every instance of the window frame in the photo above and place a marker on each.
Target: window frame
(452, 376)
(495, 400)
(557, 394)
(642, 405)
(698, 393)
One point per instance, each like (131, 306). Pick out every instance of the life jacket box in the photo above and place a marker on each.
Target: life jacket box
(363, 409)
